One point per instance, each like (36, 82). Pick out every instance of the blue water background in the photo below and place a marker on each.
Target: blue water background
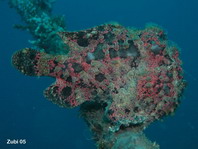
(26, 114)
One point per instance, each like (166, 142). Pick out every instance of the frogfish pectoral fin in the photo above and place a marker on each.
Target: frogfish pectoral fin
(62, 94)
(35, 63)
(25, 61)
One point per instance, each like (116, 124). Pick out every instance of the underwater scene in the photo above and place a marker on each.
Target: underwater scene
(98, 74)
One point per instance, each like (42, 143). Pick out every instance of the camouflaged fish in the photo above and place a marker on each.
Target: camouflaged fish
(136, 73)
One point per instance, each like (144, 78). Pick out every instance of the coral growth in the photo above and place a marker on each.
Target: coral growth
(36, 14)
(123, 79)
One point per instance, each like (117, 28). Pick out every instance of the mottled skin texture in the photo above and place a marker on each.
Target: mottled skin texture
(123, 78)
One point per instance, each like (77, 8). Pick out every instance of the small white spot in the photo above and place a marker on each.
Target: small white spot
(155, 48)
(90, 56)
(132, 54)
